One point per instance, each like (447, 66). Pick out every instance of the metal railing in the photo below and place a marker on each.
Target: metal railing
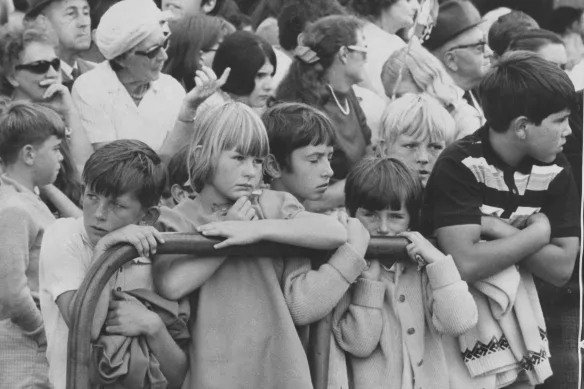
(388, 250)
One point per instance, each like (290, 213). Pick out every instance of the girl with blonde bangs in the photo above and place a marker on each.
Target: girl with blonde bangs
(424, 73)
(244, 334)
(415, 129)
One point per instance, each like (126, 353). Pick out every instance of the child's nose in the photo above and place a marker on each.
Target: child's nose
(328, 169)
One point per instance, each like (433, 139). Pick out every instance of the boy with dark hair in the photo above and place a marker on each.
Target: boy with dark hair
(504, 30)
(123, 181)
(30, 138)
(179, 186)
(301, 147)
(509, 182)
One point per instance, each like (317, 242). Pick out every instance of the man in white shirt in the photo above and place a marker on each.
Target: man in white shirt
(71, 23)
(461, 45)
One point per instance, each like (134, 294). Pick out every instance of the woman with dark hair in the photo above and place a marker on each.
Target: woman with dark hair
(547, 44)
(568, 22)
(29, 71)
(253, 64)
(195, 39)
(327, 65)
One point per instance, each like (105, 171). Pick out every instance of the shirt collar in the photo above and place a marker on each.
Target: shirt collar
(18, 187)
(68, 69)
(113, 83)
(493, 158)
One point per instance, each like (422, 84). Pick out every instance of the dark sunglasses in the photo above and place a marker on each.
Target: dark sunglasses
(153, 52)
(40, 67)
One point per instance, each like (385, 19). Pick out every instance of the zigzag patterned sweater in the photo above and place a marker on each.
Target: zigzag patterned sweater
(510, 338)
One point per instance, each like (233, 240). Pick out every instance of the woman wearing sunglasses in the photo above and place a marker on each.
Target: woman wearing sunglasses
(325, 68)
(127, 96)
(30, 71)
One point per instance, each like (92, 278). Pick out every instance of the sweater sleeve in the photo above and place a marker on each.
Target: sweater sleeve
(451, 305)
(16, 230)
(312, 294)
(357, 320)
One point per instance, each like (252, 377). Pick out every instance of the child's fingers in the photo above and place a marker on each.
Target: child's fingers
(158, 235)
(250, 214)
(152, 243)
(137, 243)
(225, 243)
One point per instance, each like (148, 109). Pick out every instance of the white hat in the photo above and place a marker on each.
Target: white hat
(125, 25)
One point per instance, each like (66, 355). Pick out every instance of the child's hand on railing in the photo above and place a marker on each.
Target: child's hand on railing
(237, 233)
(420, 249)
(144, 238)
(358, 236)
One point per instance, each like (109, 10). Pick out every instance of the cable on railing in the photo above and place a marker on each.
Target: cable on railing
(387, 250)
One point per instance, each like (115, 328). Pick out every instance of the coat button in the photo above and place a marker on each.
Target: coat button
(402, 298)
(118, 289)
(411, 331)
(421, 363)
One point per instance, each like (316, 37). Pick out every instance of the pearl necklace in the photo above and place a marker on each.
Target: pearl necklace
(345, 111)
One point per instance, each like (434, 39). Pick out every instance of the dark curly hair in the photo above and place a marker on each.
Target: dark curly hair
(306, 82)
(12, 44)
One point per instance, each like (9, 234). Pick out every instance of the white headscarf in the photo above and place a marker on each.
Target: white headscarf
(125, 25)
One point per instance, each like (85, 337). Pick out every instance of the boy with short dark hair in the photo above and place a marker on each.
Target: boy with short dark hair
(301, 147)
(123, 182)
(504, 183)
(30, 138)
(178, 188)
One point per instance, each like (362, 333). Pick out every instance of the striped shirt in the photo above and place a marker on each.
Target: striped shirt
(469, 180)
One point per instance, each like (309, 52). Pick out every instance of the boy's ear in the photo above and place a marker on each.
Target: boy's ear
(272, 167)
(208, 6)
(151, 216)
(27, 155)
(519, 127)
(178, 193)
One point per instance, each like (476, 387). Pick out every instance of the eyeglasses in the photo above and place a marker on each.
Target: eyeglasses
(153, 52)
(479, 47)
(40, 67)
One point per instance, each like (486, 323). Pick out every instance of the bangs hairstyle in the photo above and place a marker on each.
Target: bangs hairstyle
(419, 116)
(245, 53)
(231, 126)
(376, 184)
(291, 126)
(523, 84)
(191, 35)
(26, 123)
(126, 166)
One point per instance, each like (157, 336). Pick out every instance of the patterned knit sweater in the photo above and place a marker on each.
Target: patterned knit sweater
(391, 329)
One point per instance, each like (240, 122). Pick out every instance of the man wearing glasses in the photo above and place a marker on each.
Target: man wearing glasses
(70, 22)
(459, 43)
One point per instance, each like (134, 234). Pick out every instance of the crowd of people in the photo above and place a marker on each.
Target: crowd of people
(314, 123)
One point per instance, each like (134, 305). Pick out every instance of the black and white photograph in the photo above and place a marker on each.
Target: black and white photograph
(291, 194)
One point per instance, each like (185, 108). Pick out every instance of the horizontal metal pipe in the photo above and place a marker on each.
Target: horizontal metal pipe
(387, 249)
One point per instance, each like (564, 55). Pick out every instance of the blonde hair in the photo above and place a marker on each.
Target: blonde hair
(225, 127)
(424, 70)
(419, 116)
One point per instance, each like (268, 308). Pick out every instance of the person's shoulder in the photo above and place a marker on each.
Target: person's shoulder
(170, 86)
(94, 80)
(175, 220)
(278, 205)
(65, 229)
(468, 146)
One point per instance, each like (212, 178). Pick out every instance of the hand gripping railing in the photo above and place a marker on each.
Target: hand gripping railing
(386, 249)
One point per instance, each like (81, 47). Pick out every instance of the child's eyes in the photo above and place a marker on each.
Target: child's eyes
(259, 161)
(436, 147)
(411, 146)
(238, 157)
